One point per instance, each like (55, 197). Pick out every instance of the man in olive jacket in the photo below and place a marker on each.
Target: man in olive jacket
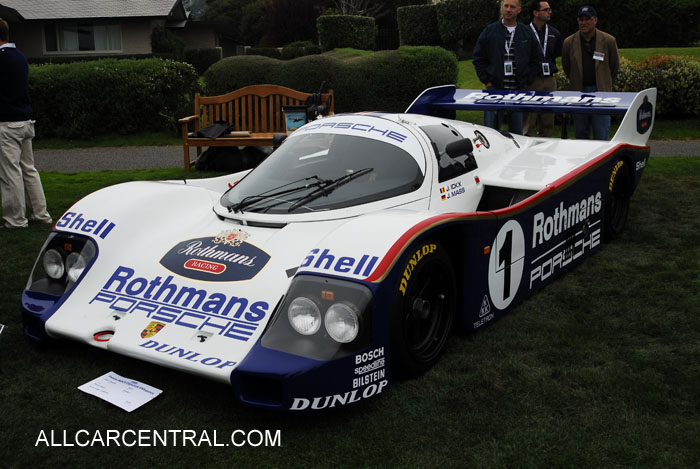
(591, 61)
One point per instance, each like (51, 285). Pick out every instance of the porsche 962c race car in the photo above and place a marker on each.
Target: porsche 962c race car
(346, 258)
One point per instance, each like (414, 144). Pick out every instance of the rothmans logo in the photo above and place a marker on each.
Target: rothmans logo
(225, 257)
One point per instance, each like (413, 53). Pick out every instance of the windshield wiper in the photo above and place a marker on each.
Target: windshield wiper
(330, 187)
(252, 199)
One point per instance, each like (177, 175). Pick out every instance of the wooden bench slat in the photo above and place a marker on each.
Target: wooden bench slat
(256, 108)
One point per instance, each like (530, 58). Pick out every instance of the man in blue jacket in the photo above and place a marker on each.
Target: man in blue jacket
(507, 57)
(20, 185)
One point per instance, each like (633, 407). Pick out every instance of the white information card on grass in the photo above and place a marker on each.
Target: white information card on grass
(122, 392)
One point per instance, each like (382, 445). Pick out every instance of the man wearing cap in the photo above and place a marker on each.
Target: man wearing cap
(549, 39)
(506, 57)
(591, 61)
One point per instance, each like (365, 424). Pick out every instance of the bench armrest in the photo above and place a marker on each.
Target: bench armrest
(187, 119)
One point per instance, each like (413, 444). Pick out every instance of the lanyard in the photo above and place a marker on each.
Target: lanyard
(546, 38)
(510, 43)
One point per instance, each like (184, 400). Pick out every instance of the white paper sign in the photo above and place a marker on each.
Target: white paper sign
(122, 392)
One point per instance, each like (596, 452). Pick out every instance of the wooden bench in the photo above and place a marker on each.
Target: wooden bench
(255, 112)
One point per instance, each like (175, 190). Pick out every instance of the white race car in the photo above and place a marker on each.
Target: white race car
(346, 257)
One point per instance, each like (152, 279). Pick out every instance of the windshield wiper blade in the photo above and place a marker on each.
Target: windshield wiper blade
(330, 187)
(252, 199)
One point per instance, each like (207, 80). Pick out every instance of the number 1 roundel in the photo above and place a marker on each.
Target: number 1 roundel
(506, 264)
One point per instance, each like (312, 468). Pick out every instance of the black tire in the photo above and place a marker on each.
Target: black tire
(423, 309)
(617, 206)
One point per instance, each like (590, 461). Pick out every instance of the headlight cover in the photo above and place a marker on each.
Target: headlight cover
(61, 263)
(304, 316)
(342, 322)
(322, 318)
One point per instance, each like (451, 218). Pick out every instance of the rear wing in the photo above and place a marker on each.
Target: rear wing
(444, 101)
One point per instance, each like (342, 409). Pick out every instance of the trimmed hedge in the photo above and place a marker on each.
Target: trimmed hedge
(202, 59)
(381, 81)
(336, 31)
(85, 99)
(284, 53)
(418, 25)
(677, 80)
(465, 19)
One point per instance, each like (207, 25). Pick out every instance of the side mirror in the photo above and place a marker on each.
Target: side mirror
(459, 148)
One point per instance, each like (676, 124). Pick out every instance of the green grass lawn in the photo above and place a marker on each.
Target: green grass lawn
(600, 369)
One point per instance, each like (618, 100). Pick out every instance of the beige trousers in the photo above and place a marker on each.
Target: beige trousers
(20, 184)
(544, 119)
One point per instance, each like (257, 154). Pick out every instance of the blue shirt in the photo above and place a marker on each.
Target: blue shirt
(14, 85)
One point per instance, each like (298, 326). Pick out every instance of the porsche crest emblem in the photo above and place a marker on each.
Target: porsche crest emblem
(231, 237)
(152, 329)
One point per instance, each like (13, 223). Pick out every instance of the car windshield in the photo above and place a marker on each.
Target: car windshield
(319, 171)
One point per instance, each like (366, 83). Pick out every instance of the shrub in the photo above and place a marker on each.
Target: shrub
(677, 80)
(336, 31)
(232, 73)
(85, 99)
(202, 59)
(382, 81)
(454, 20)
(168, 43)
(272, 52)
(418, 25)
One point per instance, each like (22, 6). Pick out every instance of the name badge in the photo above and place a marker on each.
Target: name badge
(545, 69)
(508, 68)
(598, 56)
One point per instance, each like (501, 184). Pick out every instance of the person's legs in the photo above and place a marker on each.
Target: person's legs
(11, 189)
(515, 123)
(601, 127)
(491, 119)
(36, 201)
(582, 126)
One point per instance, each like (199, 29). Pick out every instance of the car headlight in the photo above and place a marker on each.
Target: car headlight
(53, 264)
(304, 316)
(75, 265)
(63, 261)
(322, 318)
(342, 322)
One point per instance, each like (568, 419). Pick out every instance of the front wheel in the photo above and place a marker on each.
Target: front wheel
(618, 202)
(423, 310)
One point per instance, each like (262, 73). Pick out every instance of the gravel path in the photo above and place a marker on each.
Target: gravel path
(95, 159)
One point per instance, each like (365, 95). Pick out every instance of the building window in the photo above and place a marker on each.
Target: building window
(82, 37)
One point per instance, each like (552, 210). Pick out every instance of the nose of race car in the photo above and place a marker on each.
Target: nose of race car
(197, 304)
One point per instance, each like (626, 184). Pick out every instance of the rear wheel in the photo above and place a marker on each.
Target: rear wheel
(423, 310)
(618, 201)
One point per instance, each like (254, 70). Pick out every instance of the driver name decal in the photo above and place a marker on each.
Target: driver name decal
(226, 257)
